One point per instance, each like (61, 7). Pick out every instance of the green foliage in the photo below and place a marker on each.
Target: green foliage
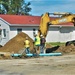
(18, 7)
(56, 43)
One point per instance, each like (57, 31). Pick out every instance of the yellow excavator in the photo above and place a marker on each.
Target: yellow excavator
(45, 21)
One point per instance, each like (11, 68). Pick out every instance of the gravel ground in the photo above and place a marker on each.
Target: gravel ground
(50, 65)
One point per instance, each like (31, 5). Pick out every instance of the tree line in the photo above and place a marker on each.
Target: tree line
(18, 7)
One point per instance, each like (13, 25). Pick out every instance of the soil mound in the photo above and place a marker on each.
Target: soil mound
(67, 49)
(16, 44)
(48, 45)
(70, 49)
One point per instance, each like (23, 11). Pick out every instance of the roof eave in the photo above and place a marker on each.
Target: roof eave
(38, 25)
(24, 25)
(5, 21)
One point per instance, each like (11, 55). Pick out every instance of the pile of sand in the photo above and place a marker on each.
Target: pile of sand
(16, 44)
(48, 45)
(63, 49)
(66, 49)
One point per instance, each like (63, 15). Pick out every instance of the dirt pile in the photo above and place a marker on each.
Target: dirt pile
(48, 45)
(66, 49)
(70, 49)
(16, 44)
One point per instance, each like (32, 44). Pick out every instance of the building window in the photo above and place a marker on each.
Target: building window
(19, 30)
(4, 32)
(34, 32)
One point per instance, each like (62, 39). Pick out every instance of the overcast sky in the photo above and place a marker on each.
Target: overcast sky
(39, 7)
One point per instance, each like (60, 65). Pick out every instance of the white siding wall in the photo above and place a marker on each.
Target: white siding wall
(66, 34)
(4, 25)
(13, 32)
(27, 30)
(55, 34)
(63, 34)
(73, 34)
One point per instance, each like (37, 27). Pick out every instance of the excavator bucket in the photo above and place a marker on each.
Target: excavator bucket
(44, 24)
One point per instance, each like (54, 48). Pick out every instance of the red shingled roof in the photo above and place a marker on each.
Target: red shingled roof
(23, 19)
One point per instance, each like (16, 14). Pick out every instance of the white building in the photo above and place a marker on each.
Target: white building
(11, 25)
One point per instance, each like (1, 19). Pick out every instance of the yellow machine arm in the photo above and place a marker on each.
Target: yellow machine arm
(45, 22)
(69, 18)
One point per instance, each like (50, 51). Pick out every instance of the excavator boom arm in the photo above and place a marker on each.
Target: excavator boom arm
(65, 19)
(45, 22)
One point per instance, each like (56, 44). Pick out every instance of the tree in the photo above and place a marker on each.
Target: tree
(15, 7)
(2, 10)
(27, 8)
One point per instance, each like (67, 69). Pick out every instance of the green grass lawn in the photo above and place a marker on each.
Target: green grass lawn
(56, 43)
